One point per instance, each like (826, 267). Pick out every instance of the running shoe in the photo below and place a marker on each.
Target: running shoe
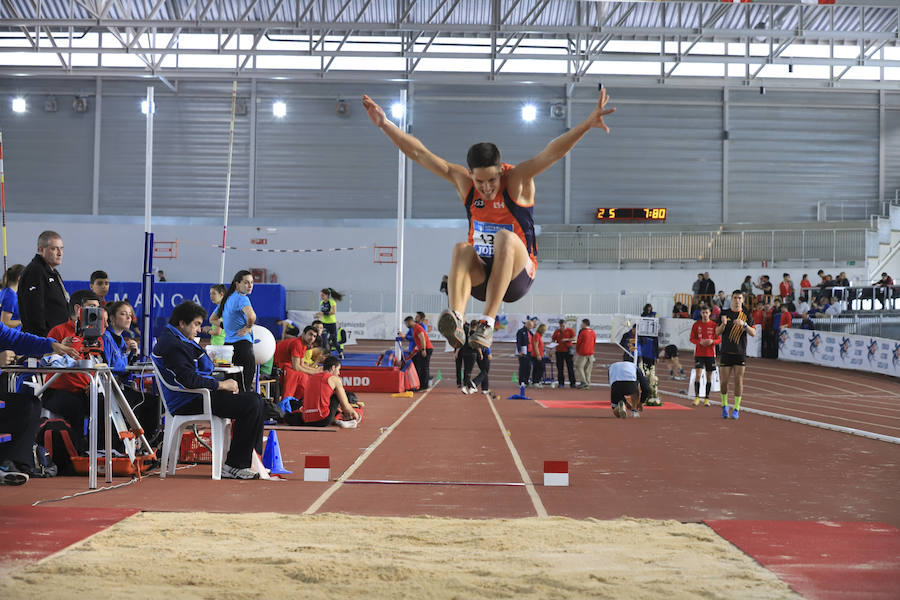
(735, 414)
(348, 424)
(465, 390)
(620, 411)
(706, 402)
(635, 414)
(451, 327)
(480, 334)
(229, 472)
(697, 401)
(473, 389)
(725, 411)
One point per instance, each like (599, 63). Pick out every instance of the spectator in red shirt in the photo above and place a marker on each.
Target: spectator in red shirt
(705, 339)
(584, 354)
(537, 356)
(565, 351)
(786, 288)
(289, 354)
(421, 356)
(325, 396)
(805, 284)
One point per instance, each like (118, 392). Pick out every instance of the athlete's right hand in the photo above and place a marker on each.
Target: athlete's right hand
(376, 113)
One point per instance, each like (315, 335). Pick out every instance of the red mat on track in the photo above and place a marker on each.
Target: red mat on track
(602, 404)
(32, 533)
(822, 559)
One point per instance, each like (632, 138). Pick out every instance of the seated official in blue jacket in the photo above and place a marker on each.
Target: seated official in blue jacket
(20, 417)
(121, 351)
(183, 363)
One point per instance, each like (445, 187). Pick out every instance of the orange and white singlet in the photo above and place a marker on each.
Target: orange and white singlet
(487, 217)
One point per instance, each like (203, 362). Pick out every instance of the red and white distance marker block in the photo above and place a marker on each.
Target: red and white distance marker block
(556, 473)
(317, 468)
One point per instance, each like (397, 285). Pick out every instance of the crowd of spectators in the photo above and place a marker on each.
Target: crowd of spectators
(826, 298)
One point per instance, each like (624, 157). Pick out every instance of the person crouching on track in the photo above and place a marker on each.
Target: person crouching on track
(325, 395)
(624, 379)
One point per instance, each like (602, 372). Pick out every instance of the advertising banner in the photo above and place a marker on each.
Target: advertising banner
(844, 351)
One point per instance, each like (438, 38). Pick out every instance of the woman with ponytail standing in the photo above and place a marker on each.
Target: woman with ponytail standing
(328, 308)
(9, 299)
(236, 317)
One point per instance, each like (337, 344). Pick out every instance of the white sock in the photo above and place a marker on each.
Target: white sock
(488, 320)
(458, 316)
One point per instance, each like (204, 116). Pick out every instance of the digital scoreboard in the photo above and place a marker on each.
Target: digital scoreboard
(631, 214)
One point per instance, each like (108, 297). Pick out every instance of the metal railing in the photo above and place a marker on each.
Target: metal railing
(875, 325)
(564, 304)
(817, 246)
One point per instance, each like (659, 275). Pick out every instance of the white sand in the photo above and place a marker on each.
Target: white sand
(200, 555)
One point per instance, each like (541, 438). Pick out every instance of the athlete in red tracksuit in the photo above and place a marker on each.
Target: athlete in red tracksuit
(704, 338)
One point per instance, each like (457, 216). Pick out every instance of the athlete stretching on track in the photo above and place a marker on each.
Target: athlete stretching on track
(498, 262)
(734, 326)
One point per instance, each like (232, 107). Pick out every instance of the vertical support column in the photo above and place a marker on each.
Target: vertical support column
(567, 161)
(725, 136)
(408, 115)
(147, 287)
(401, 225)
(251, 175)
(881, 134)
(98, 117)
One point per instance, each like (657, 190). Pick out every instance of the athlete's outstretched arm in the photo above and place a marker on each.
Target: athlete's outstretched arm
(413, 148)
(561, 146)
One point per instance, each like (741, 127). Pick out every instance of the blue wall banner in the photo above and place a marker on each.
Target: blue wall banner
(268, 300)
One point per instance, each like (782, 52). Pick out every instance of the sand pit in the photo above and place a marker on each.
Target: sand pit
(201, 555)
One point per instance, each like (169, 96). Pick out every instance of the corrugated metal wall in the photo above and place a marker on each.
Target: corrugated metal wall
(792, 150)
(190, 151)
(892, 146)
(664, 150)
(47, 157)
(316, 164)
(788, 151)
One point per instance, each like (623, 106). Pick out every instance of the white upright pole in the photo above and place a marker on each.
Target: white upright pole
(401, 220)
(148, 162)
(147, 280)
(228, 181)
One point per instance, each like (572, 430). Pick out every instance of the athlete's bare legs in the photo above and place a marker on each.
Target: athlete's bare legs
(466, 271)
(510, 257)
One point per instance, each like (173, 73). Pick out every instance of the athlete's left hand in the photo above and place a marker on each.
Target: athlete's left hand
(596, 116)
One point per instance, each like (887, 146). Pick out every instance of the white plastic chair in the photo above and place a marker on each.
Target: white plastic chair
(220, 430)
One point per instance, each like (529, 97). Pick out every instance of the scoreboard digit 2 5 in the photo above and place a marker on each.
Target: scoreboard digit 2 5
(657, 215)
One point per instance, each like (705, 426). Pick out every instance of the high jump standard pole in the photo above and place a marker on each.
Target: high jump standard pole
(228, 181)
(401, 220)
(147, 280)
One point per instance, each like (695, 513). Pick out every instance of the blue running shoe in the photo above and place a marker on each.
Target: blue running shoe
(735, 414)
(725, 412)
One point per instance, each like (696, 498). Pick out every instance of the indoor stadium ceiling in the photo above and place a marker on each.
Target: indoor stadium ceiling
(513, 39)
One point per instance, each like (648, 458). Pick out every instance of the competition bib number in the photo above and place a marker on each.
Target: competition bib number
(483, 235)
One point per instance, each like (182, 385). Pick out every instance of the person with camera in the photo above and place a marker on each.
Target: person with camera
(69, 394)
(184, 364)
(20, 416)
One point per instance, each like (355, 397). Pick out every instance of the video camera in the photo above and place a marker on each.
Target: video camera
(90, 324)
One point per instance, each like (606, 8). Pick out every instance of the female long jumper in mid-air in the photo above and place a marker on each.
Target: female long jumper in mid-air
(498, 262)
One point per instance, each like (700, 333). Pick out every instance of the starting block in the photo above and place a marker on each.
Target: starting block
(556, 473)
(317, 468)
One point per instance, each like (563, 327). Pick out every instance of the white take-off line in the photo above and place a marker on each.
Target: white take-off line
(529, 485)
(315, 506)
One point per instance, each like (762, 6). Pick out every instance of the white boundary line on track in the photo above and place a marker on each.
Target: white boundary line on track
(830, 426)
(315, 506)
(529, 486)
